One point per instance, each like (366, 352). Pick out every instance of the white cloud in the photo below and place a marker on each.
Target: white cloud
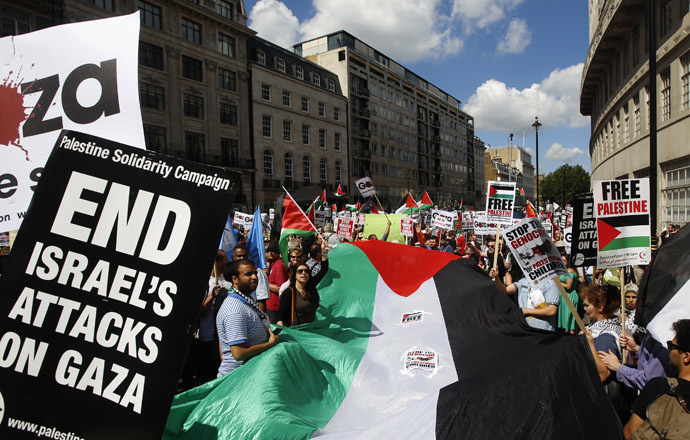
(517, 37)
(481, 14)
(559, 153)
(556, 100)
(275, 22)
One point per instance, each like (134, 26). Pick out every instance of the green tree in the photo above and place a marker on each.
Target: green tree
(562, 185)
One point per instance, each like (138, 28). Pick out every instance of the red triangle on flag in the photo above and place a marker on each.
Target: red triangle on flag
(492, 191)
(606, 233)
(374, 210)
(426, 200)
(410, 203)
(293, 217)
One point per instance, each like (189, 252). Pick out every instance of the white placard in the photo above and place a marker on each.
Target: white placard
(442, 219)
(406, 227)
(500, 202)
(244, 220)
(366, 187)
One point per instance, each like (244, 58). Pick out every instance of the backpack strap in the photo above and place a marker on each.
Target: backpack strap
(673, 384)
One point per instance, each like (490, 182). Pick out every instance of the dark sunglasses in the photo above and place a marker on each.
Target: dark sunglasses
(671, 346)
(294, 257)
(302, 270)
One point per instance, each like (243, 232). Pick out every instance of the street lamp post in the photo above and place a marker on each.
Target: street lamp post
(536, 126)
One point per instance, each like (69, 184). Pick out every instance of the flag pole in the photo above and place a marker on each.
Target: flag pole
(622, 315)
(498, 234)
(305, 216)
(384, 211)
(569, 303)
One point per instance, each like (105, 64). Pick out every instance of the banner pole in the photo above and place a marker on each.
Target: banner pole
(570, 305)
(498, 235)
(384, 211)
(624, 353)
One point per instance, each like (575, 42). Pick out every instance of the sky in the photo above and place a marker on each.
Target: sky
(507, 61)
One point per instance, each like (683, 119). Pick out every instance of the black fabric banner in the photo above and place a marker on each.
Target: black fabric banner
(103, 285)
(584, 242)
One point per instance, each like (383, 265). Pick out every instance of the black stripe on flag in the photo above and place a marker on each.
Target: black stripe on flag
(503, 187)
(627, 220)
(513, 381)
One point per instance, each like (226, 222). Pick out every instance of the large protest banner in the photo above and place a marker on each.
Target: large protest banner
(584, 243)
(75, 76)
(499, 202)
(103, 285)
(534, 251)
(621, 208)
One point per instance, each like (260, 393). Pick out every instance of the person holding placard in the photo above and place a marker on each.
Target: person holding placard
(566, 320)
(539, 305)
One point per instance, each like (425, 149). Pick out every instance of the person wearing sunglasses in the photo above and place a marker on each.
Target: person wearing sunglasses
(679, 357)
(299, 302)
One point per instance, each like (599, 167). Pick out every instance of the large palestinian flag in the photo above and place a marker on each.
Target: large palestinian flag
(665, 288)
(408, 343)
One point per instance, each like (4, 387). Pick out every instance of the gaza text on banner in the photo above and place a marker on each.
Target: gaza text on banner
(584, 243)
(56, 79)
(534, 251)
(442, 219)
(103, 284)
(499, 202)
(621, 208)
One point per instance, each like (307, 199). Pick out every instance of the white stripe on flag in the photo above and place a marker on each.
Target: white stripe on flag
(633, 231)
(677, 308)
(379, 390)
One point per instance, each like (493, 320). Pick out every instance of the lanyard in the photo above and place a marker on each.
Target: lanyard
(250, 302)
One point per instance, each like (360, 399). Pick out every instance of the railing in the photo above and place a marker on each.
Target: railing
(272, 183)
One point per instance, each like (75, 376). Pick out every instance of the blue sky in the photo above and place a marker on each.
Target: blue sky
(506, 60)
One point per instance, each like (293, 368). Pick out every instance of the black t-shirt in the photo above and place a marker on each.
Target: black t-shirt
(653, 389)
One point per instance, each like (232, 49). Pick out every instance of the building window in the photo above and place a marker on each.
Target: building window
(336, 141)
(626, 123)
(317, 79)
(229, 151)
(306, 169)
(14, 22)
(228, 113)
(322, 138)
(305, 104)
(265, 92)
(267, 126)
(287, 161)
(281, 65)
(154, 136)
(150, 15)
(191, 68)
(105, 4)
(193, 106)
(152, 96)
(224, 9)
(323, 171)
(322, 109)
(195, 146)
(226, 45)
(666, 96)
(636, 116)
(676, 193)
(665, 18)
(287, 130)
(268, 162)
(287, 98)
(191, 31)
(227, 79)
(260, 57)
(336, 114)
(150, 55)
(331, 85)
(338, 172)
(306, 134)
(299, 71)
(685, 81)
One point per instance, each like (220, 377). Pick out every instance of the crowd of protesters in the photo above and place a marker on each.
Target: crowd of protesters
(242, 301)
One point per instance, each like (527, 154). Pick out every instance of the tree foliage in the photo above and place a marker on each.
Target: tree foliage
(562, 185)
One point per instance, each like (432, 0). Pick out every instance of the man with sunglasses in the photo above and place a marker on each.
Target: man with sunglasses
(679, 357)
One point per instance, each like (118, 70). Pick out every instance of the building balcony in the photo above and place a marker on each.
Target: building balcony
(233, 162)
(291, 184)
(435, 138)
(360, 91)
(435, 122)
(435, 152)
(360, 132)
(272, 184)
(360, 112)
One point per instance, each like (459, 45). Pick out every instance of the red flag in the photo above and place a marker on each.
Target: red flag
(531, 212)
(339, 192)
(522, 192)
(410, 203)
(374, 210)
(310, 213)
(358, 206)
(334, 207)
(426, 200)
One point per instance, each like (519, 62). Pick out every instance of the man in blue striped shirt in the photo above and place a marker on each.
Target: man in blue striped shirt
(243, 328)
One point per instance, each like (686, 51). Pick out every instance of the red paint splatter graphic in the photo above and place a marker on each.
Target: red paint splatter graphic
(12, 112)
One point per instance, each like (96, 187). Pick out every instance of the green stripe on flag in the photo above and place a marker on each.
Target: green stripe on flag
(301, 382)
(627, 242)
(502, 196)
(283, 242)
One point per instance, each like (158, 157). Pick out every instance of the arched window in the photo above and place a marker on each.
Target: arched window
(268, 162)
(323, 170)
(306, 164)
(288, 168)
(338, 172)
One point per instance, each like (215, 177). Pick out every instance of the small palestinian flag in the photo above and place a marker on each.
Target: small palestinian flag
(665, 288)
(334, 207)
(426, 202)
(498, 191)
(321, 201)
(353, 208)
(628, 231)
(339, 192)
(294, 222)
(407, 343)
(409, 207)
(522, 191)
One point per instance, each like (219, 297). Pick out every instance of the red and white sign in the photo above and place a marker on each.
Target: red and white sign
(345, 227)
(406, 227)
(75, 77)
